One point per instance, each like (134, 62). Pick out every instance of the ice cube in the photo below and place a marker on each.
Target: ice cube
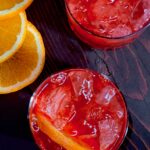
(55, 101)
(82, 82)
(116, 108)
(121, 30)
(60, 123)
(59, 78)
(120, 114)
(108, 129)
(106, 95)
(59, 106)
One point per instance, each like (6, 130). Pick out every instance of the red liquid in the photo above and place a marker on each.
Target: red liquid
(108, 19)
(82, 104)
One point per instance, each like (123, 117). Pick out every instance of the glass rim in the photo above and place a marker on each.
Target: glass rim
(126, 115)
(106, 37)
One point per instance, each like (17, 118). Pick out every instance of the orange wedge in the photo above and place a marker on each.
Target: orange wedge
(47, 128)
(9, 8)
(12, 35)
(25, 65)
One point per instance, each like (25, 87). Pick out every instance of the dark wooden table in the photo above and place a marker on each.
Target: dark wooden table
(128, 67)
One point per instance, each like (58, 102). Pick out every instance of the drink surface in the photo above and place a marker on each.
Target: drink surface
(84, 105)
(111, 18)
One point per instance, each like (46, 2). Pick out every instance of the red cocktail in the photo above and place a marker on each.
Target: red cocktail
(108, 23)
(78, 110)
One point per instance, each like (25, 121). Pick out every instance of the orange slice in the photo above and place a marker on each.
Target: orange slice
(12, 35)
(25, 65)
(47, 128)
(9, 8)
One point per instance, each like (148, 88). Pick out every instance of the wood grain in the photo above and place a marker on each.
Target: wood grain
(128, 67)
